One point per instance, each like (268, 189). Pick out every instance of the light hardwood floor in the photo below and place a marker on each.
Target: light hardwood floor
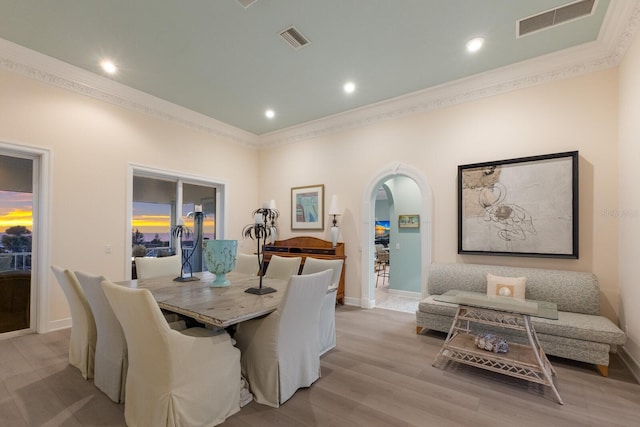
(379, 375)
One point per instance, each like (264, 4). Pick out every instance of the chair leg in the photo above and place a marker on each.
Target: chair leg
(384, 273)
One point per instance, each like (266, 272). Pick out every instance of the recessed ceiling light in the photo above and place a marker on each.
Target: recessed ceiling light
(270, 114)
(108, 66)
(349, 87)
(474, 45)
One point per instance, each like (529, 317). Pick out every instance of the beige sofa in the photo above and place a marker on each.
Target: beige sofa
(580, 332)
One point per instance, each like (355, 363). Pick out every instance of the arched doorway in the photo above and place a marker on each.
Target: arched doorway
(367, 299)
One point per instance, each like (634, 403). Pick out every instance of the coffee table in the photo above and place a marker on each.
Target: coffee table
(528, 362)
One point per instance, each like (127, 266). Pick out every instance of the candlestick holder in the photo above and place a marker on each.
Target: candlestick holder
(262, 228)
(177, 232)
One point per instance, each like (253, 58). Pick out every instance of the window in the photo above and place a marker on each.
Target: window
(158, 199)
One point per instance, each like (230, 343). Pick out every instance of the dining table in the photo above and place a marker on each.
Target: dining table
(217, 306)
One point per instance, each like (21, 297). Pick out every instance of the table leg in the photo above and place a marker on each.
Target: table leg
(449, 337)
(541, 357)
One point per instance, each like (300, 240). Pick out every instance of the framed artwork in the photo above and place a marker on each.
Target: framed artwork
(408, 221)
(307, 208)
(520, 207)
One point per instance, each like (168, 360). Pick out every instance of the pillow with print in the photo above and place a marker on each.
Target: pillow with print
(506, 286)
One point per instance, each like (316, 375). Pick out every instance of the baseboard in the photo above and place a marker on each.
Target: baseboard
(362, 303)
(56, 325)
(630, 362)
(408, 294)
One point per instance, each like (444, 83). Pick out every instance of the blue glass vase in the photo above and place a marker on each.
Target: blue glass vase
(220, 258)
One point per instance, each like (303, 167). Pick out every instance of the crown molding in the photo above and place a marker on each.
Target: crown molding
(37, 66)
(617, 33)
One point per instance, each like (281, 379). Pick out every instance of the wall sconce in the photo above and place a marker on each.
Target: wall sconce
(334, 209)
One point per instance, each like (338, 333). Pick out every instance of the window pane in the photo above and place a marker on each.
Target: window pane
(205, 197)
(151, 229)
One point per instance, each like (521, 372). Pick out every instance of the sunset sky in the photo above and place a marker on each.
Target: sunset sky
(152, 218)
(15, 209)
(149, 218)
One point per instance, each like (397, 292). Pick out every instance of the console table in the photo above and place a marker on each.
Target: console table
(527, 362)
(309, 246)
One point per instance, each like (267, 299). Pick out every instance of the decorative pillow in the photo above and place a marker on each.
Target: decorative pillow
(506, 286)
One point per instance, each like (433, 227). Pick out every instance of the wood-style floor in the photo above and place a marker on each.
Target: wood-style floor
(379, 375)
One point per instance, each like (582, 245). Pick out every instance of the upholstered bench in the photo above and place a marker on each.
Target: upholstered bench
(579, 333)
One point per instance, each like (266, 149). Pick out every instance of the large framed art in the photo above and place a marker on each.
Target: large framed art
(307, 208)
(520, 207)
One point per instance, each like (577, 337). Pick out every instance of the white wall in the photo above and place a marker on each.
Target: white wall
(92, 144)
(628, 213)
(574, 114)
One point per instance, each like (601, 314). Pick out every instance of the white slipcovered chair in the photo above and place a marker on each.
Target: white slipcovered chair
(111, 347)
(282, 267)
(247, 264)
(82, 344)
(327, 332)
(280, 351)
(150, 267)
(175, 378)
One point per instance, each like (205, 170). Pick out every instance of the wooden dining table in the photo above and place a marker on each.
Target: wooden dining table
(223, 306)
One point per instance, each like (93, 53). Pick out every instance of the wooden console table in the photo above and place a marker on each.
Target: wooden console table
(527, 362)
(307, 246)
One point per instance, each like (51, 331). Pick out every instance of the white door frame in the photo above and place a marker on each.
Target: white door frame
(41, 243)
(367, 298)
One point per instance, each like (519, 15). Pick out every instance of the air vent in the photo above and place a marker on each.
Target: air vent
(294, 38)
(555, 17)
(246, 3)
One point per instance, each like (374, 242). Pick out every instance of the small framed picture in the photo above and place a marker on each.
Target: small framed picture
(409, 221)
(307, 208)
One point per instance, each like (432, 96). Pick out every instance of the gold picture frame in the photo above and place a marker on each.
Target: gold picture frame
(409, 221)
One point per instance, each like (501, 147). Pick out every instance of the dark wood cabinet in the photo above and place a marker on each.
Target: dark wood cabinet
(307, 246)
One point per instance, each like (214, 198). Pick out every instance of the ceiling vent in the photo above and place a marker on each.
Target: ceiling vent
(555, 17)
(246, 3)
(294, 38)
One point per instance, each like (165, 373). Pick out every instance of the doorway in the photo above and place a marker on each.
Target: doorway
(410, 248)
(23, 197)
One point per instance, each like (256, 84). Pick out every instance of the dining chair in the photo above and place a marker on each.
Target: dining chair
(247, 264)
(150, 267)
(111, 346)
(175, 378)
(82, 344)
(381, 264)
(280, 351)
(327, 331)
(282, 267)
